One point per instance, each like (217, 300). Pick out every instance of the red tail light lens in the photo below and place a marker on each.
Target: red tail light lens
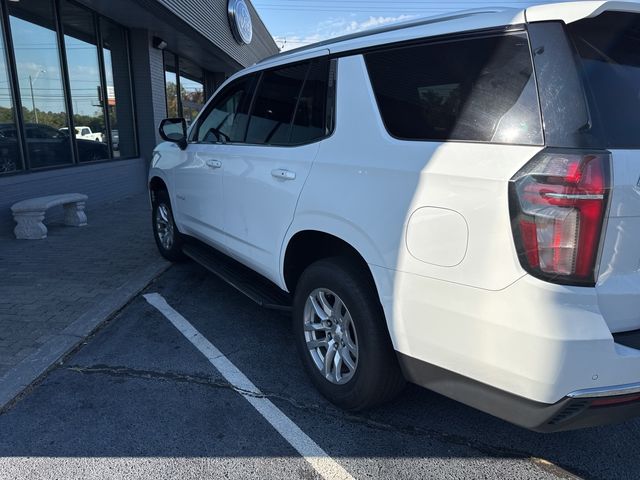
(558, 204)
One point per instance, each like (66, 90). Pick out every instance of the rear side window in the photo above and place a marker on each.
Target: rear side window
(311, 113)
(479, 89)
(290, 105)
(226, 118)
(609, 50)
(275, 104)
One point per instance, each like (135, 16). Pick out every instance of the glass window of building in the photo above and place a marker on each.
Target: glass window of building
(40, 81)
(171, 84)
(87, 98)
(117, 98)
(191, 89)
(9, 152)
(184, 83)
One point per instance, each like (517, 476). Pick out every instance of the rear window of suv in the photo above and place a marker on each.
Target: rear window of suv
(475, 89)
(609, 50)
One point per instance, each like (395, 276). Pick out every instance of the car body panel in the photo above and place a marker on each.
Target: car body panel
(260, 201)
(618, 284)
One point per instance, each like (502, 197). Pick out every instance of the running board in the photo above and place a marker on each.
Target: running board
(265, 293)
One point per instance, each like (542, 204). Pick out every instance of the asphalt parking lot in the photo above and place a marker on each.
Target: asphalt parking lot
(139, 400)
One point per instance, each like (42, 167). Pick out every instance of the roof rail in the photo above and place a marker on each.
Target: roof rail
(418, 22)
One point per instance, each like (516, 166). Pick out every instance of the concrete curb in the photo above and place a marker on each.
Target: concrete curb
(35, 365)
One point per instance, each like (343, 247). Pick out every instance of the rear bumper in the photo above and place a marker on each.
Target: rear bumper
(579, 409)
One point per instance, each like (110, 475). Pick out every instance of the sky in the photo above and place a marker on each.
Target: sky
(295, 23)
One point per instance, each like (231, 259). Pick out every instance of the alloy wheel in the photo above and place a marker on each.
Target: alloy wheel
(330, 335)
(164, 226)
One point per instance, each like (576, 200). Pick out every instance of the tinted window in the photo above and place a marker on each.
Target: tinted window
(609, 48)
(480, 89)
(226, 118)
(310, 119)
(562, 98)
(275, 104)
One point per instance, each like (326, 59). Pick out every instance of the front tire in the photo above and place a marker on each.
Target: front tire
(166, 234)
(342, 337)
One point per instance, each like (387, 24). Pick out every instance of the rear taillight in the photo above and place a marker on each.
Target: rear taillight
(558, 204)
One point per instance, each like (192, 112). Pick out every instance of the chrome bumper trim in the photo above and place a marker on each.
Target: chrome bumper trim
(613, 391)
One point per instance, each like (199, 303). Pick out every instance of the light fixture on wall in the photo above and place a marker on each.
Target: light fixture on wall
(159, 43)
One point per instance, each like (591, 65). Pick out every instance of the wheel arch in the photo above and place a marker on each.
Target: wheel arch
(156, 184)
(307, 246)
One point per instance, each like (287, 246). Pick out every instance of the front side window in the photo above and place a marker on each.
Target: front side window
(480, 89)
(226, 118)
(275, 104)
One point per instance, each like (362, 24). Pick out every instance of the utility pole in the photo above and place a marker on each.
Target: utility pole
(33, 100)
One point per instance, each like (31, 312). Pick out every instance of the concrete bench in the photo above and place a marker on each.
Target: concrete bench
(29, 214)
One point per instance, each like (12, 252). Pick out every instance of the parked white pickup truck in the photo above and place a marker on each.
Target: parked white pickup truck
(85, 133)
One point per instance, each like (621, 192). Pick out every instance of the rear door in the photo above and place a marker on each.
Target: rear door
(263, 177)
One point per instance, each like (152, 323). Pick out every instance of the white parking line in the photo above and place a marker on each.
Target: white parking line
(326, 466)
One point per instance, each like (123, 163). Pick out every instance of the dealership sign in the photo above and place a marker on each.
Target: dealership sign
(240, 19)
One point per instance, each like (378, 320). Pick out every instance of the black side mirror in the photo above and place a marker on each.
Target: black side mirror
(174, 130)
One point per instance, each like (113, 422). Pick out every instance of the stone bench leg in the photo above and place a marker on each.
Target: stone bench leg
(29, 226)
(74, 215)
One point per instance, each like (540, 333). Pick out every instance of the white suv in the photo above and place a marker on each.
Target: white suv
(454, 201)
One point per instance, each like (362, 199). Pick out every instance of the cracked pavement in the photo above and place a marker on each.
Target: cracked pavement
(137, 400)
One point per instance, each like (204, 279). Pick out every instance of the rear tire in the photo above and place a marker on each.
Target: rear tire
(166, 234)
(342, 337)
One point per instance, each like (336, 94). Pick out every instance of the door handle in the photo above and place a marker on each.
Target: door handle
(283, 174)
(214, 163)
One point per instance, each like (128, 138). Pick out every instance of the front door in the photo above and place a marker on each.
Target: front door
(199, 179)
(198, 194)
(263, 178)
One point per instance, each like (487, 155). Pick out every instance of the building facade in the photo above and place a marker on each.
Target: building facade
(85, 83)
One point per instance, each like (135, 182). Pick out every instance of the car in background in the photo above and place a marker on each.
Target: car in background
(48, 146)
(85, 133)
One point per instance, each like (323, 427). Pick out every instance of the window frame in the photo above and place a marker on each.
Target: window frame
(501, 31)
(330, 106)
